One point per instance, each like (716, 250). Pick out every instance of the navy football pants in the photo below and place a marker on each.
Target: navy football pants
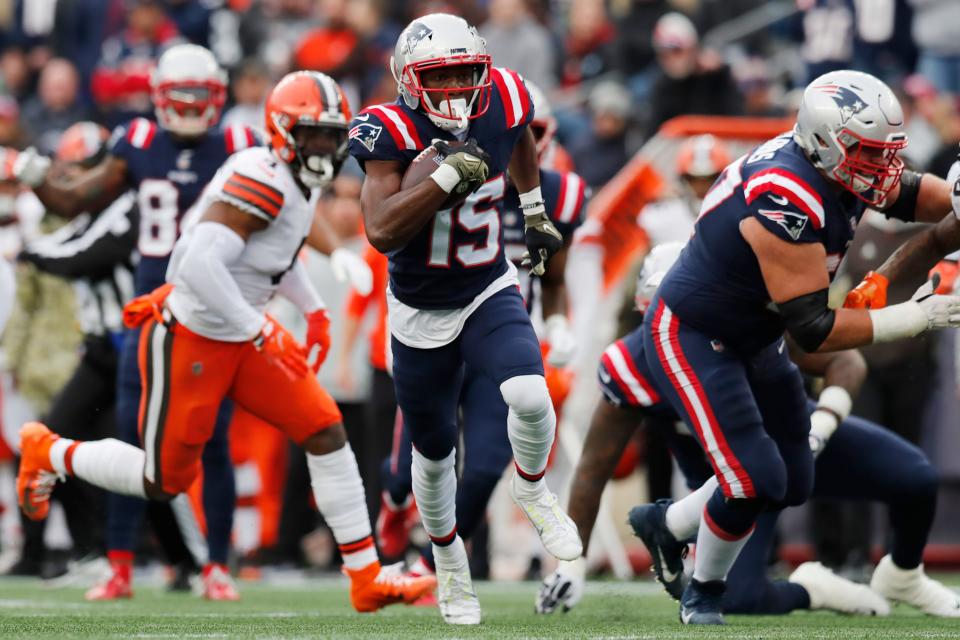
(124, 513)
(749, 416)
(863, 462)
(497, 342)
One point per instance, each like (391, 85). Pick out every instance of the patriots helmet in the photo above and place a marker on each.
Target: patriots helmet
(655, 267)
(435, 41)
(850, 125)
(188, 89)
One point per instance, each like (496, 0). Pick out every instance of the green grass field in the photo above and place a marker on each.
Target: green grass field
(320, 609)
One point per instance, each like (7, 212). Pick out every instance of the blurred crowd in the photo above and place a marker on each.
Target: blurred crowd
(614, 71)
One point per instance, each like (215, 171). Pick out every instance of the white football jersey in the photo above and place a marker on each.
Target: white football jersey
(255, 181)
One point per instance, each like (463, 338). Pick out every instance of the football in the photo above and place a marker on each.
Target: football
(426, 163)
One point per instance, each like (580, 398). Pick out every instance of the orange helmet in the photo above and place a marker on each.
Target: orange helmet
(308, 99)
(82, 142)
(702, 157)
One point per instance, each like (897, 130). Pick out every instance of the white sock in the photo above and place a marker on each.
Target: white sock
(450, 556)
(109, 464)
(435, 489)
(531, 425)
(683, 516)
(338, 491)
(716, 551)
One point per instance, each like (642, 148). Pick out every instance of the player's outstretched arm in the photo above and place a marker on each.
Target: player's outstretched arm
(393, 217)
(91, 192)
(923, 198)
(796, 279)
(553, 294)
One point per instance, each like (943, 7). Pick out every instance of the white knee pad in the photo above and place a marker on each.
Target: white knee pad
(526, 395)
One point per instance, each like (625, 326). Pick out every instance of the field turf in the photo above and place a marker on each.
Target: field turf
(319, 609)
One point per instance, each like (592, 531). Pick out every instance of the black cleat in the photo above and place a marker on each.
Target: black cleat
(701, 602)
(649, 524)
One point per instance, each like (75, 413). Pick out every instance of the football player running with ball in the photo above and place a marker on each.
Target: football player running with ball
(771, 232)
(205, 337)
(453, 297)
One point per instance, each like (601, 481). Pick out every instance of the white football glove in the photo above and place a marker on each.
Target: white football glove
(349, 267)
(30, 168)
(563, 345)
(924, 311)
(562, 588)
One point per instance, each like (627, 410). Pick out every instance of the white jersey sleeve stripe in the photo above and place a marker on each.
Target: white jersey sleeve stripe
(572, 184)
(398, 123)
(790, 186)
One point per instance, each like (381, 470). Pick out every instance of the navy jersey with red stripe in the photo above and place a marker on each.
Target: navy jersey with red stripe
(565, 196)
(459, 252)
(716, 286)
(168, 174)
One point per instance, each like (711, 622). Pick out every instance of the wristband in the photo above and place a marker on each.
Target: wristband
(837, 401)
(903, 320)
(446, 177)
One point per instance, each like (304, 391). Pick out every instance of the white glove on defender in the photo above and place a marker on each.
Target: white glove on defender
(30, 168)
(563, 345)
(564, 587)
(349, 267)
(924, 311)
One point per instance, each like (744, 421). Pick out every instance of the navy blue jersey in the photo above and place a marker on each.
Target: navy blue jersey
(168, 175)
(565, 197)
(716, 286)
(459, 252)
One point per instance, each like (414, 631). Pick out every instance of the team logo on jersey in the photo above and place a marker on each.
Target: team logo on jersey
(793, 223)
(184, 159)
(849, 102)
(418, 31)
(366, 134)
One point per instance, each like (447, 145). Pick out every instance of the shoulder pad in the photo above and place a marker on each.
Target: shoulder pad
(394, 120)
(784, 188)
(250, 176)
(138, 134)
(237, 137)
(516, 101)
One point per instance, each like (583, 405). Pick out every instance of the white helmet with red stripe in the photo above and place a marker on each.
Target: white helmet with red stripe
(189, 90)
(436, 41)
(850, 125)
(543, 125)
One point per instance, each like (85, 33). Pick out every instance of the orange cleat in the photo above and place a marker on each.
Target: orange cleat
(373, 588)
(218, 585)
(36, 477)
(117, 585)
(394, 524)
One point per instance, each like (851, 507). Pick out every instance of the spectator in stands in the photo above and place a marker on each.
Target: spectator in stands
(56, 106)
(378, 36)
(827, 28)
(192, 19)
(633, 50)
(15, 73)
(589, 42)
(250, 86)
(121, 81)
(756, 85)
(517, 41)
(11, 133)
(601, 151)
(936, 31)
(692, 80)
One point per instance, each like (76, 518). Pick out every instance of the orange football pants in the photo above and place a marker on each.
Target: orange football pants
(185, 377)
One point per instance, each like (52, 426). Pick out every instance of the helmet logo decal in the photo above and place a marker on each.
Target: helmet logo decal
(415, 34)
(849, 102)
(366, 134)
(793, 223)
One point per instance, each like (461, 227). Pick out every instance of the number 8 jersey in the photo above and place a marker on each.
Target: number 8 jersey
(459, 252)
(167, 175)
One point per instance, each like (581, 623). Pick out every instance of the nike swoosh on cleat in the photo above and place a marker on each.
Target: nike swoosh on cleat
(668, 576)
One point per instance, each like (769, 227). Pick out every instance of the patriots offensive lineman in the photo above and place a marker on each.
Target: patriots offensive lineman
(167, 163)
(895, 473)
(452, 295)
(773, 229)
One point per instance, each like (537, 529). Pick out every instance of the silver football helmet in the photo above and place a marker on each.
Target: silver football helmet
(442, 40)
(851, 127)
(189, 90)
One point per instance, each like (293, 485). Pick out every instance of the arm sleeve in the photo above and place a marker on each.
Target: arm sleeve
(204, 269)
(296, 287)
(109, 241)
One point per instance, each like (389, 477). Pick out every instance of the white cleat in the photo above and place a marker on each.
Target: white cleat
(557, 531)
(456, 598)
(913, 587)
(827, 590)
